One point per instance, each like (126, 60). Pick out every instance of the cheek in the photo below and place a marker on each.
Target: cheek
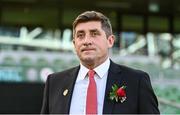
(77, 47)
(76, 44)
(103, 47)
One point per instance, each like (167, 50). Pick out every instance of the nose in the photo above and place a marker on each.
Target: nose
(87, 40)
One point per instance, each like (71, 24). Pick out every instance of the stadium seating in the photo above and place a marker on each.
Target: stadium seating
(8, 60)
(26, 61)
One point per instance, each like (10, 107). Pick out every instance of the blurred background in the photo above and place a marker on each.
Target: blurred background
(36, 40)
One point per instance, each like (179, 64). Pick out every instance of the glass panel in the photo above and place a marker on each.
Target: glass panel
(177, 24)
(30, 16)
(156, 23)
(132, 22)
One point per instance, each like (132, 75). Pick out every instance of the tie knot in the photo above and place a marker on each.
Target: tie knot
(91, 73)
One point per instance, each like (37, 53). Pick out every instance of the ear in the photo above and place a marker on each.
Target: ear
(111, 40)
(73, 41)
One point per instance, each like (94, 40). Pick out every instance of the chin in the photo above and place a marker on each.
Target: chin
(88, 59)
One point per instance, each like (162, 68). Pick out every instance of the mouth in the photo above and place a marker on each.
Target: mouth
(85, 50)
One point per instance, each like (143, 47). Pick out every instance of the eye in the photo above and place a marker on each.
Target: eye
(94, 34)
(80, 35)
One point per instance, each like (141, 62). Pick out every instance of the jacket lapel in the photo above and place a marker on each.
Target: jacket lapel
(113, 78)
(69, 85)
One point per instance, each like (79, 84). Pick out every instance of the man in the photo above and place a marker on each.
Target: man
(97, 85)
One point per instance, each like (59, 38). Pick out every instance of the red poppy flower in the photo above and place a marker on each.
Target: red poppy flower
(118, 94)
(121, 92)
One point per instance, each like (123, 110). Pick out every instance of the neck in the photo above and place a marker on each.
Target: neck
(93, 64)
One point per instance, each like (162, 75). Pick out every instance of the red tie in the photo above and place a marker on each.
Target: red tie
(91, 100)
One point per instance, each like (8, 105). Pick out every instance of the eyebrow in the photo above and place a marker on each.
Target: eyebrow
(94, 30)
(91, 30)
(80, 31)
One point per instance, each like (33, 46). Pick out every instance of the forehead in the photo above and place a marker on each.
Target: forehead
(90, 25)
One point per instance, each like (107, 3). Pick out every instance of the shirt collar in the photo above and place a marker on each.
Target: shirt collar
(101, 70)
(82, 72)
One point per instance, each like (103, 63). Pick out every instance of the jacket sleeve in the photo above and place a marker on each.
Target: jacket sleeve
(148, 103)
(45, 104)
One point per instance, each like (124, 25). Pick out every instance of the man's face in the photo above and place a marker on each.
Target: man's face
(91, 43)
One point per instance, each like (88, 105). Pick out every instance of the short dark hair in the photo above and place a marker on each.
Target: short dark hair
(94, 16)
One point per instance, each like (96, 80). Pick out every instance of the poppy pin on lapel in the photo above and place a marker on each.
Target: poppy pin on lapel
(65, 92)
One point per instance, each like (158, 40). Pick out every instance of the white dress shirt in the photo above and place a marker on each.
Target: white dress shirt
(78, 101)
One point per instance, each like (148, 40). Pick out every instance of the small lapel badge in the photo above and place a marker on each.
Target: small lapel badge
(65, 92)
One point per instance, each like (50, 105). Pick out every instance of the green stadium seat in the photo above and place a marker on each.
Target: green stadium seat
(42, 62)
(59, 65)
(26, 61)
(8, 60)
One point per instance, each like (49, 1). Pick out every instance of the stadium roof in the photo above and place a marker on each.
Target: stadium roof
(130, 6)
